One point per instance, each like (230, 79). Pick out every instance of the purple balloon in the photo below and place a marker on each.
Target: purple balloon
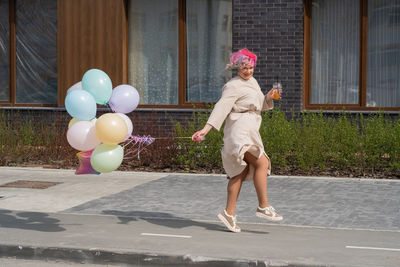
(124, 99)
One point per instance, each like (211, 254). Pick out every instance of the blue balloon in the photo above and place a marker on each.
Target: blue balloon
(81, 105)
(98, 84)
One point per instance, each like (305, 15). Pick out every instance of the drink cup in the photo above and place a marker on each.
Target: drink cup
(276, 86)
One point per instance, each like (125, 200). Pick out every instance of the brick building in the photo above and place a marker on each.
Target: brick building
(328, 54)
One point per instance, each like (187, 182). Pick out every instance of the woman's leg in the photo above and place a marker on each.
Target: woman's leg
(234, 186)
(260, 177)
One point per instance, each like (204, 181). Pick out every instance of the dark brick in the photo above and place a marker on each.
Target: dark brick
(276, 36)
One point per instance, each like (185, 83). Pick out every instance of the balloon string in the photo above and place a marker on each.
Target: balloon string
(108, 105)
(144, 141)
(175, 137)
(131, 139)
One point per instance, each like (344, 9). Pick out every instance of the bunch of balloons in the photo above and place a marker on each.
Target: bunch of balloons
(99, 139)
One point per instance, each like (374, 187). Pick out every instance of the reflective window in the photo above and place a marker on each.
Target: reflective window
(36, 51)
(335, 46)
(4, 52)
(383, 56)
(209, 43)
(154, 36)
(153, 50)
(343, 73)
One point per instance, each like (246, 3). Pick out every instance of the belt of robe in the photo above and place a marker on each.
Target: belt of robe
(258, 112)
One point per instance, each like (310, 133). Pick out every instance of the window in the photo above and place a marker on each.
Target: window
(352, 54)
(4, 52)
(383, 54)
(178, 50)
(28, 49)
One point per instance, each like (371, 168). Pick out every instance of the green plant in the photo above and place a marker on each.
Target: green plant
(278, 136)
(311, 143)
(344, 143)
(381, 142)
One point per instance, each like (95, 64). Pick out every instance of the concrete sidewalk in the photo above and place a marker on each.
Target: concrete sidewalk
(169, 219)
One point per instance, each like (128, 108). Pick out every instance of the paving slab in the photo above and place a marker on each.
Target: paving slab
(330, 202)
(73, 189)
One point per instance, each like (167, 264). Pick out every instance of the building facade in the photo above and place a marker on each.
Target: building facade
(328, 54)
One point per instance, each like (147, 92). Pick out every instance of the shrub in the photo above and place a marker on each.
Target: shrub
(311, 143)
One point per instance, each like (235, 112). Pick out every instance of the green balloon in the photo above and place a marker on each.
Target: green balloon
(98, 84)
(107, 157)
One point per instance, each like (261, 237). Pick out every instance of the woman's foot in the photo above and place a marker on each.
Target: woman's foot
(268, 213)
(229, 221)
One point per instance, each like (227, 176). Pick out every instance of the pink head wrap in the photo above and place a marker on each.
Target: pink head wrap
(242, 57)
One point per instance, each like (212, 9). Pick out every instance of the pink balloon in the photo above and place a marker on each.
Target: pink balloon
(124, 99)
(84, 163)
(82, 136)
(128, 123)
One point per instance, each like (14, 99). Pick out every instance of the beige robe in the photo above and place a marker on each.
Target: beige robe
(241, 104)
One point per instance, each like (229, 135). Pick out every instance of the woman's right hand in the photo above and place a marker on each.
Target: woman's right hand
(200, 135)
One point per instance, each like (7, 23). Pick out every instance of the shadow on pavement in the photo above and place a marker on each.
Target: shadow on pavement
(36, 221)
(168, 220)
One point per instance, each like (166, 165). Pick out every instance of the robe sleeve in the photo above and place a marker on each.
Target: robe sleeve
(267, 105)
(224, 106)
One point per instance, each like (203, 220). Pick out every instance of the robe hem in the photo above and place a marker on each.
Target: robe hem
(243, 166)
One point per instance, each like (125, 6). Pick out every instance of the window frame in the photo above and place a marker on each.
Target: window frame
(361, 106)
(64, 72)
(13, 65)
(182, 68)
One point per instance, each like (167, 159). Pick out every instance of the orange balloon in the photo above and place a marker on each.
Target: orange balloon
(111, 128)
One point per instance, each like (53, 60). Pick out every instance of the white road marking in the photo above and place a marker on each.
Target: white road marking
(165, 235)
(374, 248)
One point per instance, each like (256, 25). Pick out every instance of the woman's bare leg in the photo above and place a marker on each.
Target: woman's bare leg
(260, 177)
(234, 186)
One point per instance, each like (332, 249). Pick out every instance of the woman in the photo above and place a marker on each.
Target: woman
(243, 155)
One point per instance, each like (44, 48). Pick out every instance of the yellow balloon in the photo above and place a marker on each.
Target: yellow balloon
(111, 128)
(72, 121)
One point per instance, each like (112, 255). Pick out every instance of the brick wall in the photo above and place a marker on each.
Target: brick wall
(273, 29)
(157, 123)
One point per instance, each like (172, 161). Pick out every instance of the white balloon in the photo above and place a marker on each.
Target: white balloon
(82, 136)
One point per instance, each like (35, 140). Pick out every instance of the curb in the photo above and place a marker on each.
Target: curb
(98, 256)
